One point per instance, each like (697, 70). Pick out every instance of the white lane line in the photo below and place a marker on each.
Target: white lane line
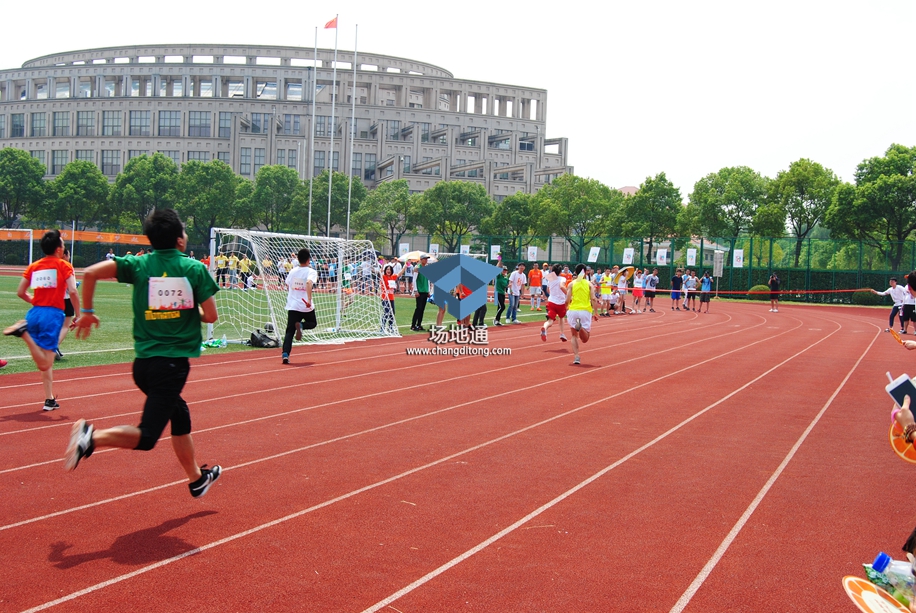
(291, 516)
(697, 583)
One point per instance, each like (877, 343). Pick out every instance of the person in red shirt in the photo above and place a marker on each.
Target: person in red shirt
(534, 286)
(389, 287)
(48, 278)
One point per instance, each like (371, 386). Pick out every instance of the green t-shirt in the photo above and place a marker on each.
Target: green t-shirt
(167, 287)
(502, 283)
(422, 282)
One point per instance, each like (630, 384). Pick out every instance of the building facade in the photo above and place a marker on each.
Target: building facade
(252, 106)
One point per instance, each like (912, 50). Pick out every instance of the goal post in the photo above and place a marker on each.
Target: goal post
(252, 296)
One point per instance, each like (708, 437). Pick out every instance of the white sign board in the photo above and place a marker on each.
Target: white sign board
(628, 255)
(434, 249)
(403, 248)
(738, 259)
(465, 250)
(532, 254)
(494, 251)
(718, 263)
(661, 257)
(691, 257)
(593, 254)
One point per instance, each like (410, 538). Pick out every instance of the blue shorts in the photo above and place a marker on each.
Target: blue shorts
(44, 326)
(675, 295)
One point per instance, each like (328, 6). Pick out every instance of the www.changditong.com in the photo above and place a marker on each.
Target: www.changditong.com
(459, 351)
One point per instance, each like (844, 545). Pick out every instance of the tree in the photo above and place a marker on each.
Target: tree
(340, 196)
(390, 210)
(576, 208)
(452, 209)
(147, 183)
(652, 212)
(79, 194)
(805, 191)
(511, 218)
(21, 184)
(726, 201)
(880, 209)
(276, 191)
(205, 195)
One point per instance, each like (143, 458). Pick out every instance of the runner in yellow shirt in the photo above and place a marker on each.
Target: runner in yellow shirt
(244, 271)
(221, 262)
(580, 309)
(233, 270)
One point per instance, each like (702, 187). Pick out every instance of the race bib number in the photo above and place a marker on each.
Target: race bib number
(44, 279)
(170, 294)
(392, 284)
(299, 285)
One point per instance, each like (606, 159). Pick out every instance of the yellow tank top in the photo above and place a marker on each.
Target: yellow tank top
(581, 296)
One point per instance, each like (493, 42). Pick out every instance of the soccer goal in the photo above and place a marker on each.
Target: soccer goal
(251, 267)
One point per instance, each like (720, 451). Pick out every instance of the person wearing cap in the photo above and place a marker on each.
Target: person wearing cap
(420, 292)
(517, 280)
(545, 270)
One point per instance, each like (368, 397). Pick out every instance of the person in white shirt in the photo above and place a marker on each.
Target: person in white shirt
(651, 282)
(517, 280)
(898, 294)
(299, 306)
(622, 284)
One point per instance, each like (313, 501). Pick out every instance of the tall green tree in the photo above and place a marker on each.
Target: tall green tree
(726, 201)
(341, 195)
(804, 191)
(21, 184)
(388, 210)
(511, 219)
(205, 196)
(576, 208)
(79, 194)
(880, 208)
(277, 189)
(146, 183)
(452, 210)
(652, 212)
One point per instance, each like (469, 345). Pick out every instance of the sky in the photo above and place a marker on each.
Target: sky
(639, 88)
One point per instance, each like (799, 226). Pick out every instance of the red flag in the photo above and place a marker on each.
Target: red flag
(331, 24)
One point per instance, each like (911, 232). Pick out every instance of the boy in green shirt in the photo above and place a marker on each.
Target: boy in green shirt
(172, 296)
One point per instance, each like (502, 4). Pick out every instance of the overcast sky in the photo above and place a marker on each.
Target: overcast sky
(681, 87)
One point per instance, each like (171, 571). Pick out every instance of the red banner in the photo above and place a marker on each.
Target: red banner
(108, 238)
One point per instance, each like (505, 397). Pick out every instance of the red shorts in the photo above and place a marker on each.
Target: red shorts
(637, 292)
(555, 310)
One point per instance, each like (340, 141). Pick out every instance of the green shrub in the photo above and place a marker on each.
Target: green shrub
(764, 295)
(11, 259)
(865, 298)
(79, 261)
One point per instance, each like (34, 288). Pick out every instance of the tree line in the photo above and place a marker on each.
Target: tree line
(878, 207)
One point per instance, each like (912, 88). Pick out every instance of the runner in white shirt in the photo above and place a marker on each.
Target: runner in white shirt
(299, 306)
(898, 294)
(517, 280)
(622, 284)
(556, 301)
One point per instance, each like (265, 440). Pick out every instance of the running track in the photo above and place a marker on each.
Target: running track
(735, 461)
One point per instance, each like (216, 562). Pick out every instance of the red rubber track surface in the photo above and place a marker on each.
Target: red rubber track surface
(730, 461)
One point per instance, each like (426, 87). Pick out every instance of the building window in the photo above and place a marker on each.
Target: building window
(267, 90)
(258, 159)
(40, 156)
(357, 164)
(260, 123)
(322, 125)
(319, 163)
(424, 132)
(291, 124)
(59, 159)
(225, 125)
(41, 91)
(85, 123)
(85, 89)
(406, 160)
(199, 123)
(2, 126)
(336, 162)
(61, 123)
(135, 153)
(394, 130)
(223, 156)
(245, 161)
(370, 167)
(39, 124)
(169, 123)
(199, 156)
(281, 157)
(85, 155)
(294, 91)
(17, 129)
(173, 155)
(293, 159)
(111, 123)
(139, 123)
(62, 89)
(205, 88)
(111, 162)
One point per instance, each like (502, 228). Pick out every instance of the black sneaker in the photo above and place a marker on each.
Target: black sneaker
(207, 477)
(286, 358)
(51, 404)
(58, 356)
(17, 329)
(81, 445)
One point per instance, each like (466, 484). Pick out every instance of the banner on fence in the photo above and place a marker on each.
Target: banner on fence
(403, 248)
(691, 257)
(593, 254)
(532, 254)
(494, 251)
(465, 250)
(661, 257)
(80, 235)
(718, 263)
(738, 259)
(628, 255)
(434, 249)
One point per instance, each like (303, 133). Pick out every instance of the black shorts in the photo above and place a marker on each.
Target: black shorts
(704, 297)
(162, 380)
(909, 312)
(775, 296)
(68, 308)
(650, 293)
(309, 320)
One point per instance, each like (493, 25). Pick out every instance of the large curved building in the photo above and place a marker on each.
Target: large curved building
(251, 106)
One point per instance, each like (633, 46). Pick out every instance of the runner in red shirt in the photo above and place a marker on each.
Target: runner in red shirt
(48, 278)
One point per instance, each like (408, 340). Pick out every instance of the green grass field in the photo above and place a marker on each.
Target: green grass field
(112, 342)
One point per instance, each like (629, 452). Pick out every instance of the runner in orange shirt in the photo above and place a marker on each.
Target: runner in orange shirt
(534, 286)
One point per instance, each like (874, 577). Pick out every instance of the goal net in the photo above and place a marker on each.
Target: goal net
(251, 267)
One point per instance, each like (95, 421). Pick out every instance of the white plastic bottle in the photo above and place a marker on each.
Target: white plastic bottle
(899, 574)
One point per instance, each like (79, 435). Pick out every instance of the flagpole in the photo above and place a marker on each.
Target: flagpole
(331, 127)
(352, 128)
(311, 163)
